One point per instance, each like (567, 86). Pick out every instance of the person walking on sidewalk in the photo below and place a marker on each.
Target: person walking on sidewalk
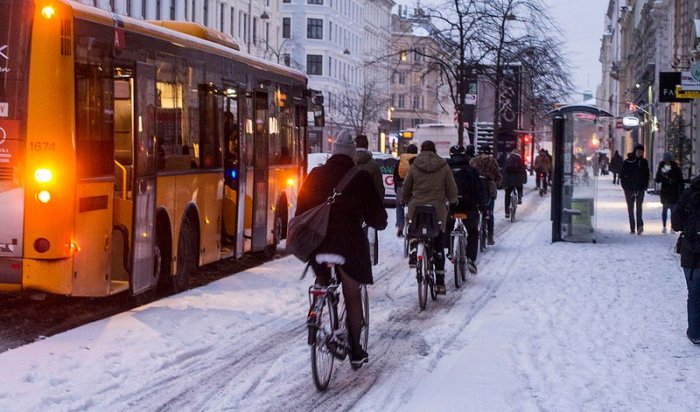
(686, 219)
(400, 170)
(634, 176)
(487, 167)
(429, 181)
(615, 166)
(671, 178)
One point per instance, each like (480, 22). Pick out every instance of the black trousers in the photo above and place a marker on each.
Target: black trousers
(635, 198)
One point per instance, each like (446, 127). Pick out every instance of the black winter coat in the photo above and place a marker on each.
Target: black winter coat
(514, 172)
(616, 163)
(686, 219)
(469, 187)
(671, 182)
(634, 173)
(358, 203)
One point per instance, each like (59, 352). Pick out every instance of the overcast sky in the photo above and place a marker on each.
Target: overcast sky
(582, 24)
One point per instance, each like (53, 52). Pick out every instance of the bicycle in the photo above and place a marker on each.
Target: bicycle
(483, 230)
(458, 242)
(513, 204)
(543, 183)
(327, 331)
(423, 229)
(373, 240)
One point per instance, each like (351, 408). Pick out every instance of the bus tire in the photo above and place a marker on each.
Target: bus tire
(187, 256)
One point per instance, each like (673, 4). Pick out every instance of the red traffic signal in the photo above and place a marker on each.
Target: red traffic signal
(526, 138)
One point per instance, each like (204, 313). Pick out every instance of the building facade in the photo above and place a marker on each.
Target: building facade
(642, 41)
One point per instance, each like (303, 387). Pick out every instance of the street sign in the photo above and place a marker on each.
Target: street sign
(688, 83)
(687, 94)
(667, 87)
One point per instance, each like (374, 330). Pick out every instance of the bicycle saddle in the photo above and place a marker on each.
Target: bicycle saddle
(330, 258)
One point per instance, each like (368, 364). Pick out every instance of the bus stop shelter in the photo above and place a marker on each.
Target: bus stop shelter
(579, 131)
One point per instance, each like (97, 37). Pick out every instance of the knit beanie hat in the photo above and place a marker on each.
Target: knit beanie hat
(639, 147)
(668, 157)
(344, 145)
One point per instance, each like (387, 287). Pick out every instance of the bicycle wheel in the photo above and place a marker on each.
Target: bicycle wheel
(483, 229)
(364, 332)
(422, 277)
(321, 356)
(463, 260)
(457, 258)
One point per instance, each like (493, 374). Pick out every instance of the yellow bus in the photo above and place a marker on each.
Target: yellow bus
(133, 152)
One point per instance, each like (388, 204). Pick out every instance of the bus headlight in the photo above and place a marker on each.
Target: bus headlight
(48, 12)
(43, 175)
(44, 196)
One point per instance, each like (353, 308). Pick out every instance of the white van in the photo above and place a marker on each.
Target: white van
(443, 135)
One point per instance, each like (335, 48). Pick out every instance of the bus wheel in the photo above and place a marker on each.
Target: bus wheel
(186, 257)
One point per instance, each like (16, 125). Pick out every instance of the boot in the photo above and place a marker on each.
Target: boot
(490, 240)
(440, 282)
(399, 231)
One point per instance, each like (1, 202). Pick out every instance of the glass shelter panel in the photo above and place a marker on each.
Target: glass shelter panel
(580, 154)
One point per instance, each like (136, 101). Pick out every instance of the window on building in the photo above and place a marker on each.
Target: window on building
(129, 5)
(314, 28)
(402, 77)
(157, 9)
(416, 101)
(330, 66)
(143, 9)
(287, 59)
(286, 27)
(314, 64)
(206, 12)
(402, 101)
(315, 1)
(330, 31)
(172, 10)
(232, 18)
(255, 30)
(286, 1)
(220, 5)
(417, 54)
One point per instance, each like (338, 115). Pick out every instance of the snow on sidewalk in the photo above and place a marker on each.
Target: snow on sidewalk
(577, 326)
(543, 327)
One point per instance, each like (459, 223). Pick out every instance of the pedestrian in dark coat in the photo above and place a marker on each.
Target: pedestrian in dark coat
(671, 178)
(616, 166)
(365, 161)
(634, 176)
(359, 202)
(686, 218)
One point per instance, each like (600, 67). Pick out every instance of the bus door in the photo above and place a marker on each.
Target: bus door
(232, 161)
(143, 274)
(260, 180)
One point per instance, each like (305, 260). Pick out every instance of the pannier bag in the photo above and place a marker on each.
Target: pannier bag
(307, 231)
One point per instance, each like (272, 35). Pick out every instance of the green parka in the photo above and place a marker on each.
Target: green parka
(429, 181)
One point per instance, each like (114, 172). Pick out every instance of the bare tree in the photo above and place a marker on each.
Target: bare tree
(359, 107)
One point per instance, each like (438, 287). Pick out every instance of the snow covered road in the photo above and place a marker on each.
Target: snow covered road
(543, 327)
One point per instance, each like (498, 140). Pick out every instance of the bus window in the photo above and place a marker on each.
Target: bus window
(209, 138)
(282, 139)
(94, 90)
(168, 116)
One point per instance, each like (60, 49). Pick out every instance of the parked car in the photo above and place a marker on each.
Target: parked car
(387, 163)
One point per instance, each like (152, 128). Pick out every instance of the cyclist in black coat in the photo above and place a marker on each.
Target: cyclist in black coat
(471, 200)
(634, 176)
(359, 202)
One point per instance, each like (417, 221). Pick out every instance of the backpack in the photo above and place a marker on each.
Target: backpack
(307, 231)
(469, 188)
